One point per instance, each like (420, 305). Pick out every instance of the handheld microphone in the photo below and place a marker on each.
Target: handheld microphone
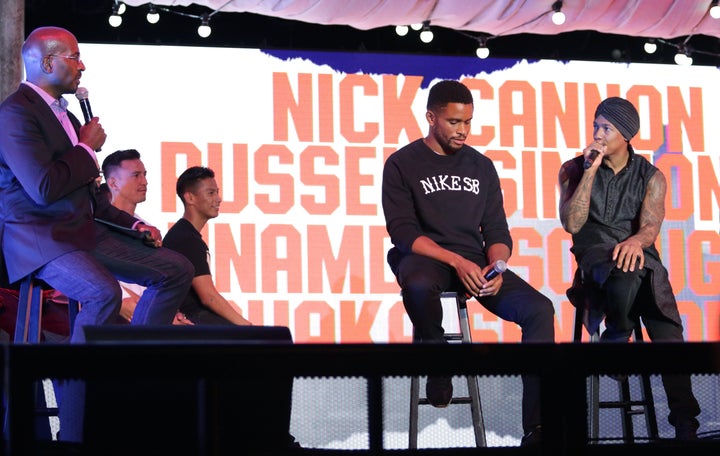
(498, 268)
(591, 158)
(82, 95)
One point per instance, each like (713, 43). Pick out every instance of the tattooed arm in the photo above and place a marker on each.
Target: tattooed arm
(629, 252)
(575, 195)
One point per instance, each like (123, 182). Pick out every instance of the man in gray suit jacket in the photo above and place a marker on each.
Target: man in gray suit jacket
(48, 203)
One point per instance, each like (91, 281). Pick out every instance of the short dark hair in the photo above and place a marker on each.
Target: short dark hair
(190, 178)
(448, 91)
(113, 161)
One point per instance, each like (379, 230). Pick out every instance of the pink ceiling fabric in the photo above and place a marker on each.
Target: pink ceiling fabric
(649, 18)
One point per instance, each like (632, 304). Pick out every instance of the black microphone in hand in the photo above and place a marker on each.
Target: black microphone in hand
(82, 95)
(498, 268)
(591, 158)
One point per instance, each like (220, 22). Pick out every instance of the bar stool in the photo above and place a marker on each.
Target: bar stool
(627, 406)
(28, 325)
(28, 330)
(473, 397)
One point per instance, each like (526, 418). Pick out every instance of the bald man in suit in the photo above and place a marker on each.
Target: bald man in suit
(48, 178)
(49, 206)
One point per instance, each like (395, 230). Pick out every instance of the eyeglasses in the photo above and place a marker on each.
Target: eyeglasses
(71, 57)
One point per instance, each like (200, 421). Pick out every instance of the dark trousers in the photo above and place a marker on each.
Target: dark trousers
(622, 310)
(423, 279)
(206, 317)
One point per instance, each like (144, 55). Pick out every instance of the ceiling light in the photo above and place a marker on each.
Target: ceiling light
(115, 19)
(683, 56)
(152, 16)
(401, 30)
(482, 50)
(715, 9)
(650, 46)
(426, 35)
(416, 27)
(558, 17)
(121, 7)
(204, 29)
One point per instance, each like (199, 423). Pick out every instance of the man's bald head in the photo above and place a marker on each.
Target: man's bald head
(41, 45)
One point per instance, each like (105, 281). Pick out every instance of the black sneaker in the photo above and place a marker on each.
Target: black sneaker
(618, 377)
(532, 438)
(439, 391)
(686, 429)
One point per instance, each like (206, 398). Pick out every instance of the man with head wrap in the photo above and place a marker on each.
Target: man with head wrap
(614, 210)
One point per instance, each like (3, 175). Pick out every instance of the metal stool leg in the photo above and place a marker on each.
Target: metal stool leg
(630, 407)
(647, 395)
(28, 329)
(626, 411)
(472, 380)
(650, 417)
(414, 402)
(28, 324)
(593, 383)
(594, 413)
(627, 406)
(473, 397)
(29, 317)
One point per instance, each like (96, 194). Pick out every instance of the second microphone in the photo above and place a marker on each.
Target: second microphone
(591, 158)
(498, 268)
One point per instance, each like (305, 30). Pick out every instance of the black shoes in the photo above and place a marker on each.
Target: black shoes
(439, 391)
(532, 438)
(619, 377)
(292, 443)
(686, 429)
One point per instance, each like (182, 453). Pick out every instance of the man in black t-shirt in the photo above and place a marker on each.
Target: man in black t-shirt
(197, 189)
(199, 192)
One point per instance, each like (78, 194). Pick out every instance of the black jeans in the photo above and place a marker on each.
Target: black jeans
(622, 310)
(423, 279)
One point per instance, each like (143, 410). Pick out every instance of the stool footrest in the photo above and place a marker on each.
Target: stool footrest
(455, 400)
(623, 404)
(627, 407)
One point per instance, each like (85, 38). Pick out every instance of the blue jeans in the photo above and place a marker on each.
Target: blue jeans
(92, 278)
